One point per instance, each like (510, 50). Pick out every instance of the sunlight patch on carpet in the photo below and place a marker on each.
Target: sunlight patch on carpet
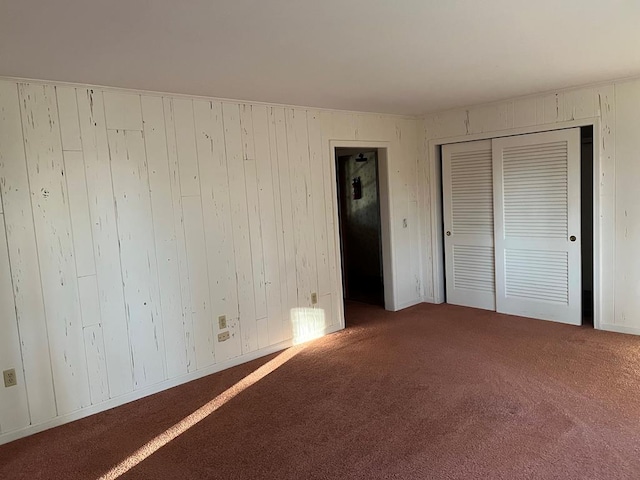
(196, 417)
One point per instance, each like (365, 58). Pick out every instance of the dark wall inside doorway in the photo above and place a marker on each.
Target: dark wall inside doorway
(360, 234)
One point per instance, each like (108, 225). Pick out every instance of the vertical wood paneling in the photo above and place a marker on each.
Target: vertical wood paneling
(198, 274)
(253, 207)
(302, 203)
(279, 327)
(186, 146)
(194, 232)
(288, 276)
(579, 104)
(169, 213)
(252, 185)
(89, 300)
(138, 256)
(524, 112)
(402, 186)
(325, 304)
(265, 157)
(14, 410)
(183, 265)
(490, 118)
(216, 210)
(606, 97)
(93, 339)
(105, 240)
(318, 179)
(301, 194)
(344, 125)
(165, 236)
(627, 205)
(52, 222)
(370, 126)
(229, 348)
(122, 111)
(79, 208)
(415, 290)
(424, 202)
(451, 123)
(69, 123)
(96, 364)
(241, 234)
(262, 332)
(553, 108)
(23, 255)
(326, 126)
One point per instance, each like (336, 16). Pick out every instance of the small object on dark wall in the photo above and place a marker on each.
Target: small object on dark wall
(357, 188)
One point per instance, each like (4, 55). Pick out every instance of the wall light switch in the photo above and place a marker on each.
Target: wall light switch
(10, 378)
(222, 322)
(314, 298)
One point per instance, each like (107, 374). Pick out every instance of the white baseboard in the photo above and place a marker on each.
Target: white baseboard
(144, 392)
(610, 327)
(408, 304)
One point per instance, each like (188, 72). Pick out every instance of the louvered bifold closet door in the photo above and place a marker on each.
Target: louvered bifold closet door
(468, 222)
(537, 225)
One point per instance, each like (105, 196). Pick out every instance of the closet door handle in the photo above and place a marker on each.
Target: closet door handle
(572, 238)
(448, 233)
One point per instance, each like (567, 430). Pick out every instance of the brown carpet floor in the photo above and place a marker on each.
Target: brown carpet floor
(435, 391)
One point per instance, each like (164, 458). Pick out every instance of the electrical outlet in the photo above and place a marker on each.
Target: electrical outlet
(314, 298)
(10, 378)
(223, 336)
(222, 322)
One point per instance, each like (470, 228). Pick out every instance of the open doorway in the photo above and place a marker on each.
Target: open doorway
(358, 190)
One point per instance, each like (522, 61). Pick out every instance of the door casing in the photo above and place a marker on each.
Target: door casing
(385, 152)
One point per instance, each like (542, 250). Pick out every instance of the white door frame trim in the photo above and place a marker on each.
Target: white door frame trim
(385, 153)
(435, 173)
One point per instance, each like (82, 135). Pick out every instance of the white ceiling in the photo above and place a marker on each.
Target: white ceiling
(396, 56)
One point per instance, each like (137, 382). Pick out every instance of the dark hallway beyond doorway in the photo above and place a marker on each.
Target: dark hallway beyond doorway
(360, 233)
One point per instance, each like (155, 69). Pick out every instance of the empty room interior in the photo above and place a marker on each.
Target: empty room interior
(319, 240)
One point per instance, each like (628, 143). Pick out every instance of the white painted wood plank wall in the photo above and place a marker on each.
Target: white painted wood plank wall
(55, 245)
(23, 258)
(132, 221)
